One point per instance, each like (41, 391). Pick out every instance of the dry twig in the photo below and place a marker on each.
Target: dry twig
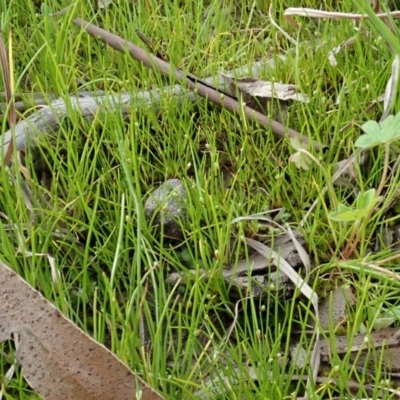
(198, 86)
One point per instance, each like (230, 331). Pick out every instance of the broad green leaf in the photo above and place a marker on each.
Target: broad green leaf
(366, 199)
(343, 211)
(363, 328)
(383, 322)
(375, 133)
(394, 312)
(45, 9)
(348, 216)
(365, 202)
(343, 208)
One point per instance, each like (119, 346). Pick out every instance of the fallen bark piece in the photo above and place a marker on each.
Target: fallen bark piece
(366, 349)
(376, 339)
(59, 360)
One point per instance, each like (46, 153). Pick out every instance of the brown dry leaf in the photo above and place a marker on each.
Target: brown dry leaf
(59, 360)
(303, 255)
(240, 284)
(268, 98)
(376, 339)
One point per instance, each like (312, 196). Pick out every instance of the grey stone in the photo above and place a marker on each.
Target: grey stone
(334, 311)
(167, 206)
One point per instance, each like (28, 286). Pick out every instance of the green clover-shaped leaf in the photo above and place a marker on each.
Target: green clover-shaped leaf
(375, 133)
(300, 159)
(297, 144)
(367, 199)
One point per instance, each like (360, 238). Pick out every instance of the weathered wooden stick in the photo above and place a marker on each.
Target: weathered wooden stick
(198, 86)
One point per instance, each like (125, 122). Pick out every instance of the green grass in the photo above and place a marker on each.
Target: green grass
(112, 265)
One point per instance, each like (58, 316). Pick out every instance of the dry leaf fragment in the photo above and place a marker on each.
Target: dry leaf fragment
(336, 50)
(313, 13)
(265, 90)
(104, 3)
(391, 88)
(259, 94)
(59, 360)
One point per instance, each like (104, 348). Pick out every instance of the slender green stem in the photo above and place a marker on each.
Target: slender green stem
(353, 243)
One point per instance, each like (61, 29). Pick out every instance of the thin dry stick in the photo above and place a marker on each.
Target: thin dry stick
(195, 84)
(312, 13)
(149, 44)
(284, 33)
(8, 86)
(383, 271)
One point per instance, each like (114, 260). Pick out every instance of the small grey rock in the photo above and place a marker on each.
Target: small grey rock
(332, 312)
(167, 205)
